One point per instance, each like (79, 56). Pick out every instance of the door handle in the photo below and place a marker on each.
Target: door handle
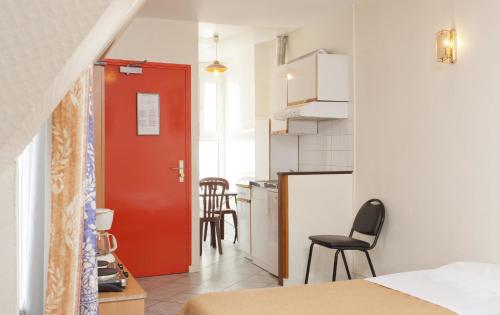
(181, 170)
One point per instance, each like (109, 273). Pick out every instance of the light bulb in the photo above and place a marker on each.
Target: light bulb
(216, 73)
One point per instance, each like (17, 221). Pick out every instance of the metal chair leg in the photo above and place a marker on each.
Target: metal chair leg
(309, 263)
(334, 277)
(345, 265)
(370, 263)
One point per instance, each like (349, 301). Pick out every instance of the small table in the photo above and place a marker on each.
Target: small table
(128, 302)
(228, 195)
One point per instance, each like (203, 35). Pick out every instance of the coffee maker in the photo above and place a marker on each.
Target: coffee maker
(111, 275)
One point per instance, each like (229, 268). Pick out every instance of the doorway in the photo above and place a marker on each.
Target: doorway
(147, 164)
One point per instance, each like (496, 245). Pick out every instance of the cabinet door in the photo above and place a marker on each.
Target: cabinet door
(272, 259)
(302, 80)
(259, 226)
(333, 78)
(244, 235)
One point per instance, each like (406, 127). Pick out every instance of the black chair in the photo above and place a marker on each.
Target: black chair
(368, 221)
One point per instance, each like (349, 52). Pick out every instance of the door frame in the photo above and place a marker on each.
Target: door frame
(100, 125)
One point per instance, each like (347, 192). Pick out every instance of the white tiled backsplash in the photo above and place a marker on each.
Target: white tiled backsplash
(329, 150)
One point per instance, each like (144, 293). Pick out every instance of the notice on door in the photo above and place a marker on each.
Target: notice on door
(148, 114)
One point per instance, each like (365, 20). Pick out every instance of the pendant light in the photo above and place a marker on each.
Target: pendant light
(216, 67)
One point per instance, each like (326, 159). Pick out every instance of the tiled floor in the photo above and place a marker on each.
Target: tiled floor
(231, 271)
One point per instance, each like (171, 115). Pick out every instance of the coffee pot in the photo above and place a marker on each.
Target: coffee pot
(106, 242)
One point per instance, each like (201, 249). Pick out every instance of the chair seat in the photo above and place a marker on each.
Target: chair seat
(338, 241)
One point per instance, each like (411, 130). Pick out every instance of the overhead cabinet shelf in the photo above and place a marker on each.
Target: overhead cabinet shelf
(314, 111)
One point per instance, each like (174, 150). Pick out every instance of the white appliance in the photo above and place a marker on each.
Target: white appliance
(264, 228)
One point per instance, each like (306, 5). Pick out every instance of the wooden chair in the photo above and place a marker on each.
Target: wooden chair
(212, 193)
(226, 210)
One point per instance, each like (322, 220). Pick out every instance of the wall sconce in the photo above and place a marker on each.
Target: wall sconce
(446, 46)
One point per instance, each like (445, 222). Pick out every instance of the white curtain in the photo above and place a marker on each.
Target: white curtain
(33, 196)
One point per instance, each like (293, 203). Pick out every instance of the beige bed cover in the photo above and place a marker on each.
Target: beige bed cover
(343, 297)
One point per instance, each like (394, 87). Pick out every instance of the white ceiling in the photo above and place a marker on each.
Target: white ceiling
(232, 38)
(240, 22)
(263, 13)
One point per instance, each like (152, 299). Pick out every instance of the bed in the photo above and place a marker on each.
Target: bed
(458, 288)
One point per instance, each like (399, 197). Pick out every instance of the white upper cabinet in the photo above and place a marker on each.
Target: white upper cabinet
(279, 103)
(318, 77)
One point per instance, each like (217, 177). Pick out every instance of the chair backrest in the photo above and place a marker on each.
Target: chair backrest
(370, 219)
(215, 179)
(212, 194)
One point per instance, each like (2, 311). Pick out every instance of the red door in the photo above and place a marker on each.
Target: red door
(152, 221)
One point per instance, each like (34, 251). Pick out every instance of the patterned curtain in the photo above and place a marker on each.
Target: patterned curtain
(72, 271)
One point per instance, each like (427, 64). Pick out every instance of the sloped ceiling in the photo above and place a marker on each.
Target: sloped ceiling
(44, 46)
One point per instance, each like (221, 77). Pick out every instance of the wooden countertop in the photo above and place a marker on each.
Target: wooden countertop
(314, 173)
(133, 291)
(242, 185)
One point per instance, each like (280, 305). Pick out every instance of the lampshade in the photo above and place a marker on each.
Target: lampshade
(446, 46)
(216, 67)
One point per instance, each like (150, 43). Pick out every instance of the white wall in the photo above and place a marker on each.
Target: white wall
(265, 64)
(8, 245)
(317, 205)
(334, 33)
(240, 111)
(169, 41)
(241, 74)
(427, 134)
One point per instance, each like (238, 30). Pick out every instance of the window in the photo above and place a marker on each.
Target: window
(227, 135)
(211, 146)
(33, 221)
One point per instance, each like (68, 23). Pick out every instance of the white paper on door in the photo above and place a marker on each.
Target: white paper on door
(148, 114)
